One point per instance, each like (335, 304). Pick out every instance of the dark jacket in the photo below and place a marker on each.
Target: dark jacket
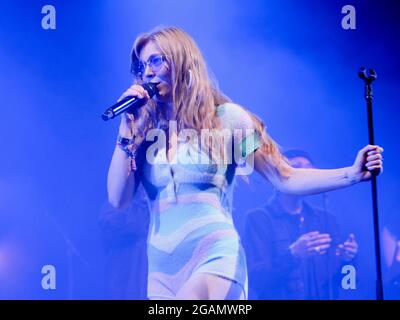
(124, 233)
(273, 271)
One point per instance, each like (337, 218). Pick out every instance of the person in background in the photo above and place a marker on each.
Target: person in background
(391, 255)
(124, 234)
(294, 250)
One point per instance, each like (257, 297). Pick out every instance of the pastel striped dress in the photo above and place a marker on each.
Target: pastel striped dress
(191, 227)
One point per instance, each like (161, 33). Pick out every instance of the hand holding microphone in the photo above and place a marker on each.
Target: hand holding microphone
(135, 90)
(135, 97)
(127, 118)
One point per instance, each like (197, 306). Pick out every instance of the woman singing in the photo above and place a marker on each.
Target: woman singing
(173, 147)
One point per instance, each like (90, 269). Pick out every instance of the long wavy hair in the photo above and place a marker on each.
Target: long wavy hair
(195, 94)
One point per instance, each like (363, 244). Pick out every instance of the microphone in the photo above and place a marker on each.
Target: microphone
(129, 102)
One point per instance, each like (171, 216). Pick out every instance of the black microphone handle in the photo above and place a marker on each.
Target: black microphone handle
(129, 102)
(120, 107)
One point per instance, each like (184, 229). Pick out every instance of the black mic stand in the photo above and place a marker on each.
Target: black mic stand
(368, 77)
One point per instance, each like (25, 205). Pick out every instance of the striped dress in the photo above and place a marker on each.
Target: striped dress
(190, 200)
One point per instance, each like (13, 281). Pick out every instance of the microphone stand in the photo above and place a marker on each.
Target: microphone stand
(368, 77)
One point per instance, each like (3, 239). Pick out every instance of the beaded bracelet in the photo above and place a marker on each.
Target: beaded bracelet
(124, 144)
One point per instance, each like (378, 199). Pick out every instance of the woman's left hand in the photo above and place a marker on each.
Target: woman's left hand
(368, 159)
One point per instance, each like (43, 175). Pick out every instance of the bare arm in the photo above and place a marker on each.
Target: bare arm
(120, 180)
(121, 177)
(312, 181)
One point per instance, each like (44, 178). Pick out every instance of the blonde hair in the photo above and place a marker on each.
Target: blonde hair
(195, 94)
